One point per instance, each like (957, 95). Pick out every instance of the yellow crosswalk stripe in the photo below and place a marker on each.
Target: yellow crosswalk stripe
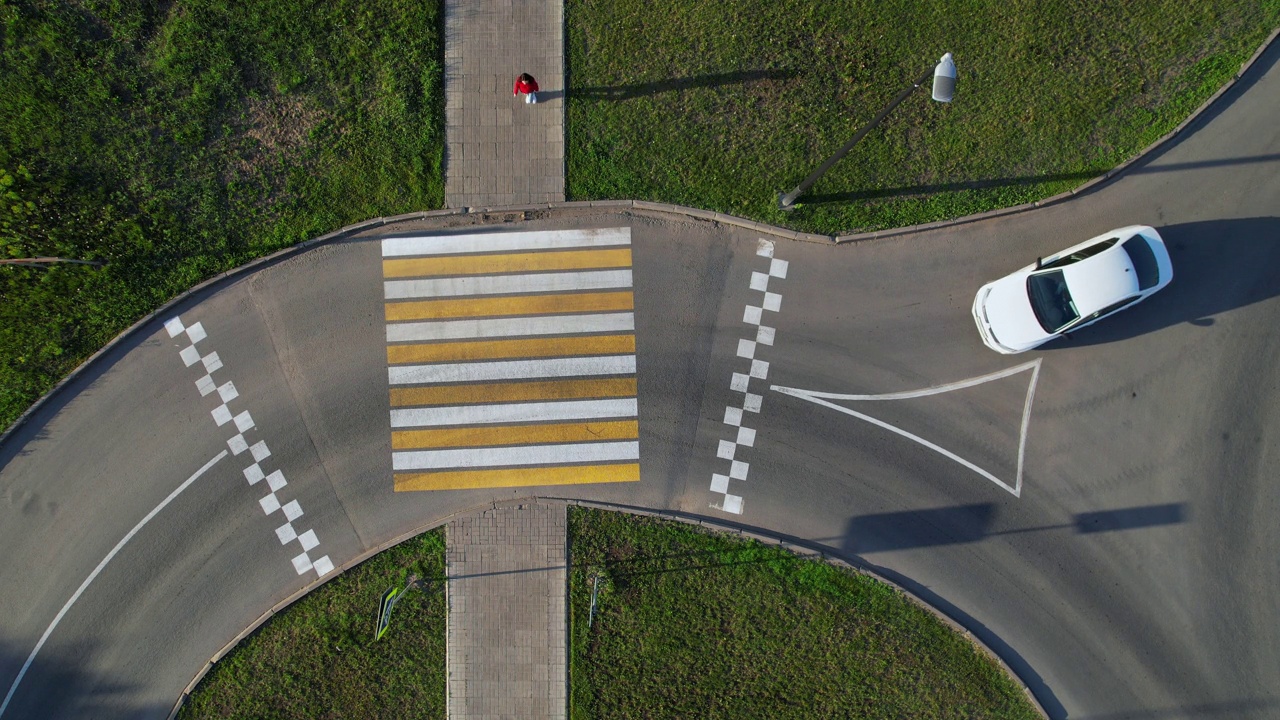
(507, 263)
(513, 392)
(533, 332)
(515, 434)
(516, 477)
(499, 349)
(510, 305)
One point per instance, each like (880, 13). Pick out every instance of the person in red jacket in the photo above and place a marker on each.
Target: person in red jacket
(527, 85)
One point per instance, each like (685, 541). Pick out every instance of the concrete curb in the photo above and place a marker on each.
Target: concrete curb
(799, 547)
(815, 551)
(381, 547)
(351, 230)
(638, 206)
(168, 307)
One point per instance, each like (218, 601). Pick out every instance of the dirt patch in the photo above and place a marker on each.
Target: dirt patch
(273, 128)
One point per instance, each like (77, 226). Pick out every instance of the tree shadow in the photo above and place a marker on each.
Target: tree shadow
(57, 685)
(1234, 709)
(628, 92)
(884, 532)
(17, 440)
(1243, 85)
(1003, 650)
(1218, 266)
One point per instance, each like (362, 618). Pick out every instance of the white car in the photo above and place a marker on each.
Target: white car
(1072, 289)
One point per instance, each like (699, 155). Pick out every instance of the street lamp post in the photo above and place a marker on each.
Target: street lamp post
(44, 262)
(944, 88)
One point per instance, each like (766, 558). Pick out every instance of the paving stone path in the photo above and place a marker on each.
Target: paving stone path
(507, 631)
(500, 151)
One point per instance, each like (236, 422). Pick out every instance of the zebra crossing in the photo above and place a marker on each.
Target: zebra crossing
(511, 359)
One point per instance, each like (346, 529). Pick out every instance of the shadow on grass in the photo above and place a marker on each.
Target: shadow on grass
(1011, 657)
(627, 92)
(1026, 180)
(948, 187)
(34, 431)
(903, 530)
(1145, 164)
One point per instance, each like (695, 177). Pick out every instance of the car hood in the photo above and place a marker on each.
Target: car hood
(1009, 315)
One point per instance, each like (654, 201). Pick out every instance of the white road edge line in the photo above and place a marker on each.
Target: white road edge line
(58, 618)
(1034, 366)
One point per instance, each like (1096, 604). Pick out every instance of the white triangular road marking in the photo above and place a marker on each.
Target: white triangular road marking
(822, 398)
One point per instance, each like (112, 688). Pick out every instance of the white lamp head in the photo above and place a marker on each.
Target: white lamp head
(944, 79)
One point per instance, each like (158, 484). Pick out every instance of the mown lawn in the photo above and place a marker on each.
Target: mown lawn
(176, 140)
(721, 105)
(688, 623)
(318, 658)
(694, 624)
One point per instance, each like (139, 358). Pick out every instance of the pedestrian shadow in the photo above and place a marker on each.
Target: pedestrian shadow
(628, 92)
(545, 95)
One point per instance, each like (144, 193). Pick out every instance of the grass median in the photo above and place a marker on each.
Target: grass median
(722, 105)
(690, 623)
(318, 658)
(174, 141)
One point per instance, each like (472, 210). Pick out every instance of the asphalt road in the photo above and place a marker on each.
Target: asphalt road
(1132, 575)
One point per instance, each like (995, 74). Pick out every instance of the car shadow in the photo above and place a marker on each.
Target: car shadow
(1218, 266)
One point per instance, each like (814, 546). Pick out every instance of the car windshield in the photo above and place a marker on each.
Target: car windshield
(1144, 261)
(1051, 301)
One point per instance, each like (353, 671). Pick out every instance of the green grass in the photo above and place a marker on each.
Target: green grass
(317, 659)
(695, 624)
(721, 105)
(688, 624)
(177, 140)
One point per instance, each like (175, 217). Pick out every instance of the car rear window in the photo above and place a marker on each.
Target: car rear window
(1144, 261)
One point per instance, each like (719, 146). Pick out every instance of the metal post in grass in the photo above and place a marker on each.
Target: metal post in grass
(44, 262)
(591, 614)
(388, 603)
(944, 88)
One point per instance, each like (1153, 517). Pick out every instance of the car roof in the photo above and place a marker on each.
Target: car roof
(1101, 280)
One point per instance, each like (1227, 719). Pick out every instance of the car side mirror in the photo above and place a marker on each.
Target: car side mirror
(1038, 263)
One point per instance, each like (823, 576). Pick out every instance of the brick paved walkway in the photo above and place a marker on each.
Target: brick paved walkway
(499, 150)
(507, 636)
